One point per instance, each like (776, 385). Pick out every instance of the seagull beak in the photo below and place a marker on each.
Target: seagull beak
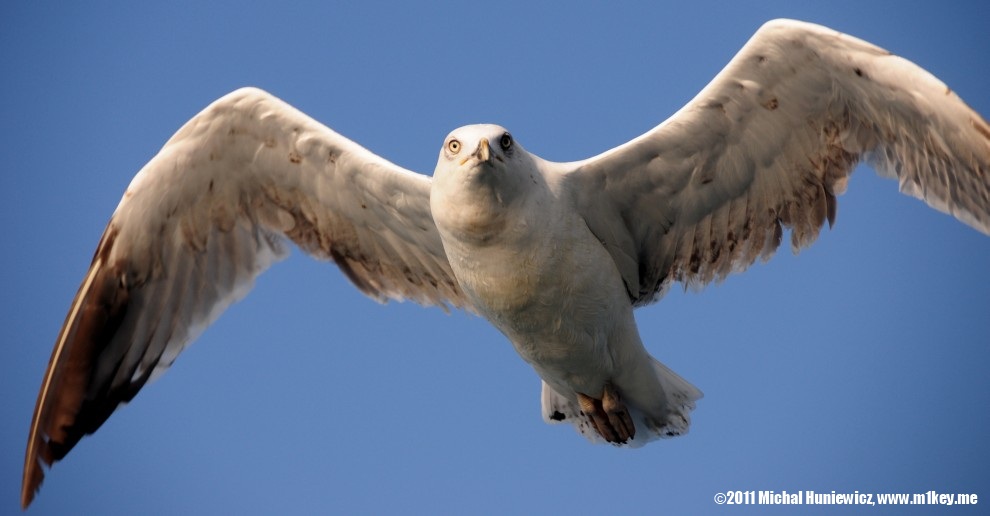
(483, 153)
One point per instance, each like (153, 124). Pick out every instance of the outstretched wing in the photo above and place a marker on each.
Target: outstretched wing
(767, 145)
(198, 223)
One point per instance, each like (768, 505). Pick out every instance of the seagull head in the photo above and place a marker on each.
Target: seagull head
(473, 146)
(480, 174)
(483, 156)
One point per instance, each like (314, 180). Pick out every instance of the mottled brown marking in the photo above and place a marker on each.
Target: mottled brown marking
(294, 157)
(346, 265)
(694, 262)
(410, 277)
(731, 240)
(377, 276)
(771, 104)
(716, 249)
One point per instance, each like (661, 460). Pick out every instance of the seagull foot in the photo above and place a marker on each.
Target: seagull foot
(609, 415)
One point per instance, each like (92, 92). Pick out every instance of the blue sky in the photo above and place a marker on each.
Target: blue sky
(859, 364)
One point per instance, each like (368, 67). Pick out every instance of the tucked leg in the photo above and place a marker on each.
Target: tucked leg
(593, 408)
(609, 415)
(618, 414)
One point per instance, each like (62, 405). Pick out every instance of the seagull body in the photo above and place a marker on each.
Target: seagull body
(526, 260)
(554, 255)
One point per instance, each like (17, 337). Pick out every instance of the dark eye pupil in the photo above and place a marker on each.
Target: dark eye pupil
(506, 141)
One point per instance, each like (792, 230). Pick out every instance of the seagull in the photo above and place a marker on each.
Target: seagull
(555, 255)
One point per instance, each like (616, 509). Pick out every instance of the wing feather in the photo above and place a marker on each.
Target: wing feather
(768, 145)
(198, 223)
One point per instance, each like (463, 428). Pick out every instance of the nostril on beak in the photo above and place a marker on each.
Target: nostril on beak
(483, 153)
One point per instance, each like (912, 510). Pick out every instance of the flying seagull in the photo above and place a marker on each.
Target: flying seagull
(554, 255)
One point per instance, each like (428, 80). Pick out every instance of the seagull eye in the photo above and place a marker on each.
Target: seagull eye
(506, 141)
(454, 146)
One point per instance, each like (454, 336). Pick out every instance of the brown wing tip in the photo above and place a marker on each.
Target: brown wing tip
(62, 414)
(37, 457)
(34, 475)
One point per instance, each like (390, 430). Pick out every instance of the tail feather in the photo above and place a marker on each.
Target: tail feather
(681, 396)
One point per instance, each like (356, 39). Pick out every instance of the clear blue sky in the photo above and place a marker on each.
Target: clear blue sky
(860, 364)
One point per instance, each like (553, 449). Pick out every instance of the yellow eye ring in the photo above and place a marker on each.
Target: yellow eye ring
(454, 146)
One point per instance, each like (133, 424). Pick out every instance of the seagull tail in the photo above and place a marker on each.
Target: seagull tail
(679, 400)
(681, 396)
